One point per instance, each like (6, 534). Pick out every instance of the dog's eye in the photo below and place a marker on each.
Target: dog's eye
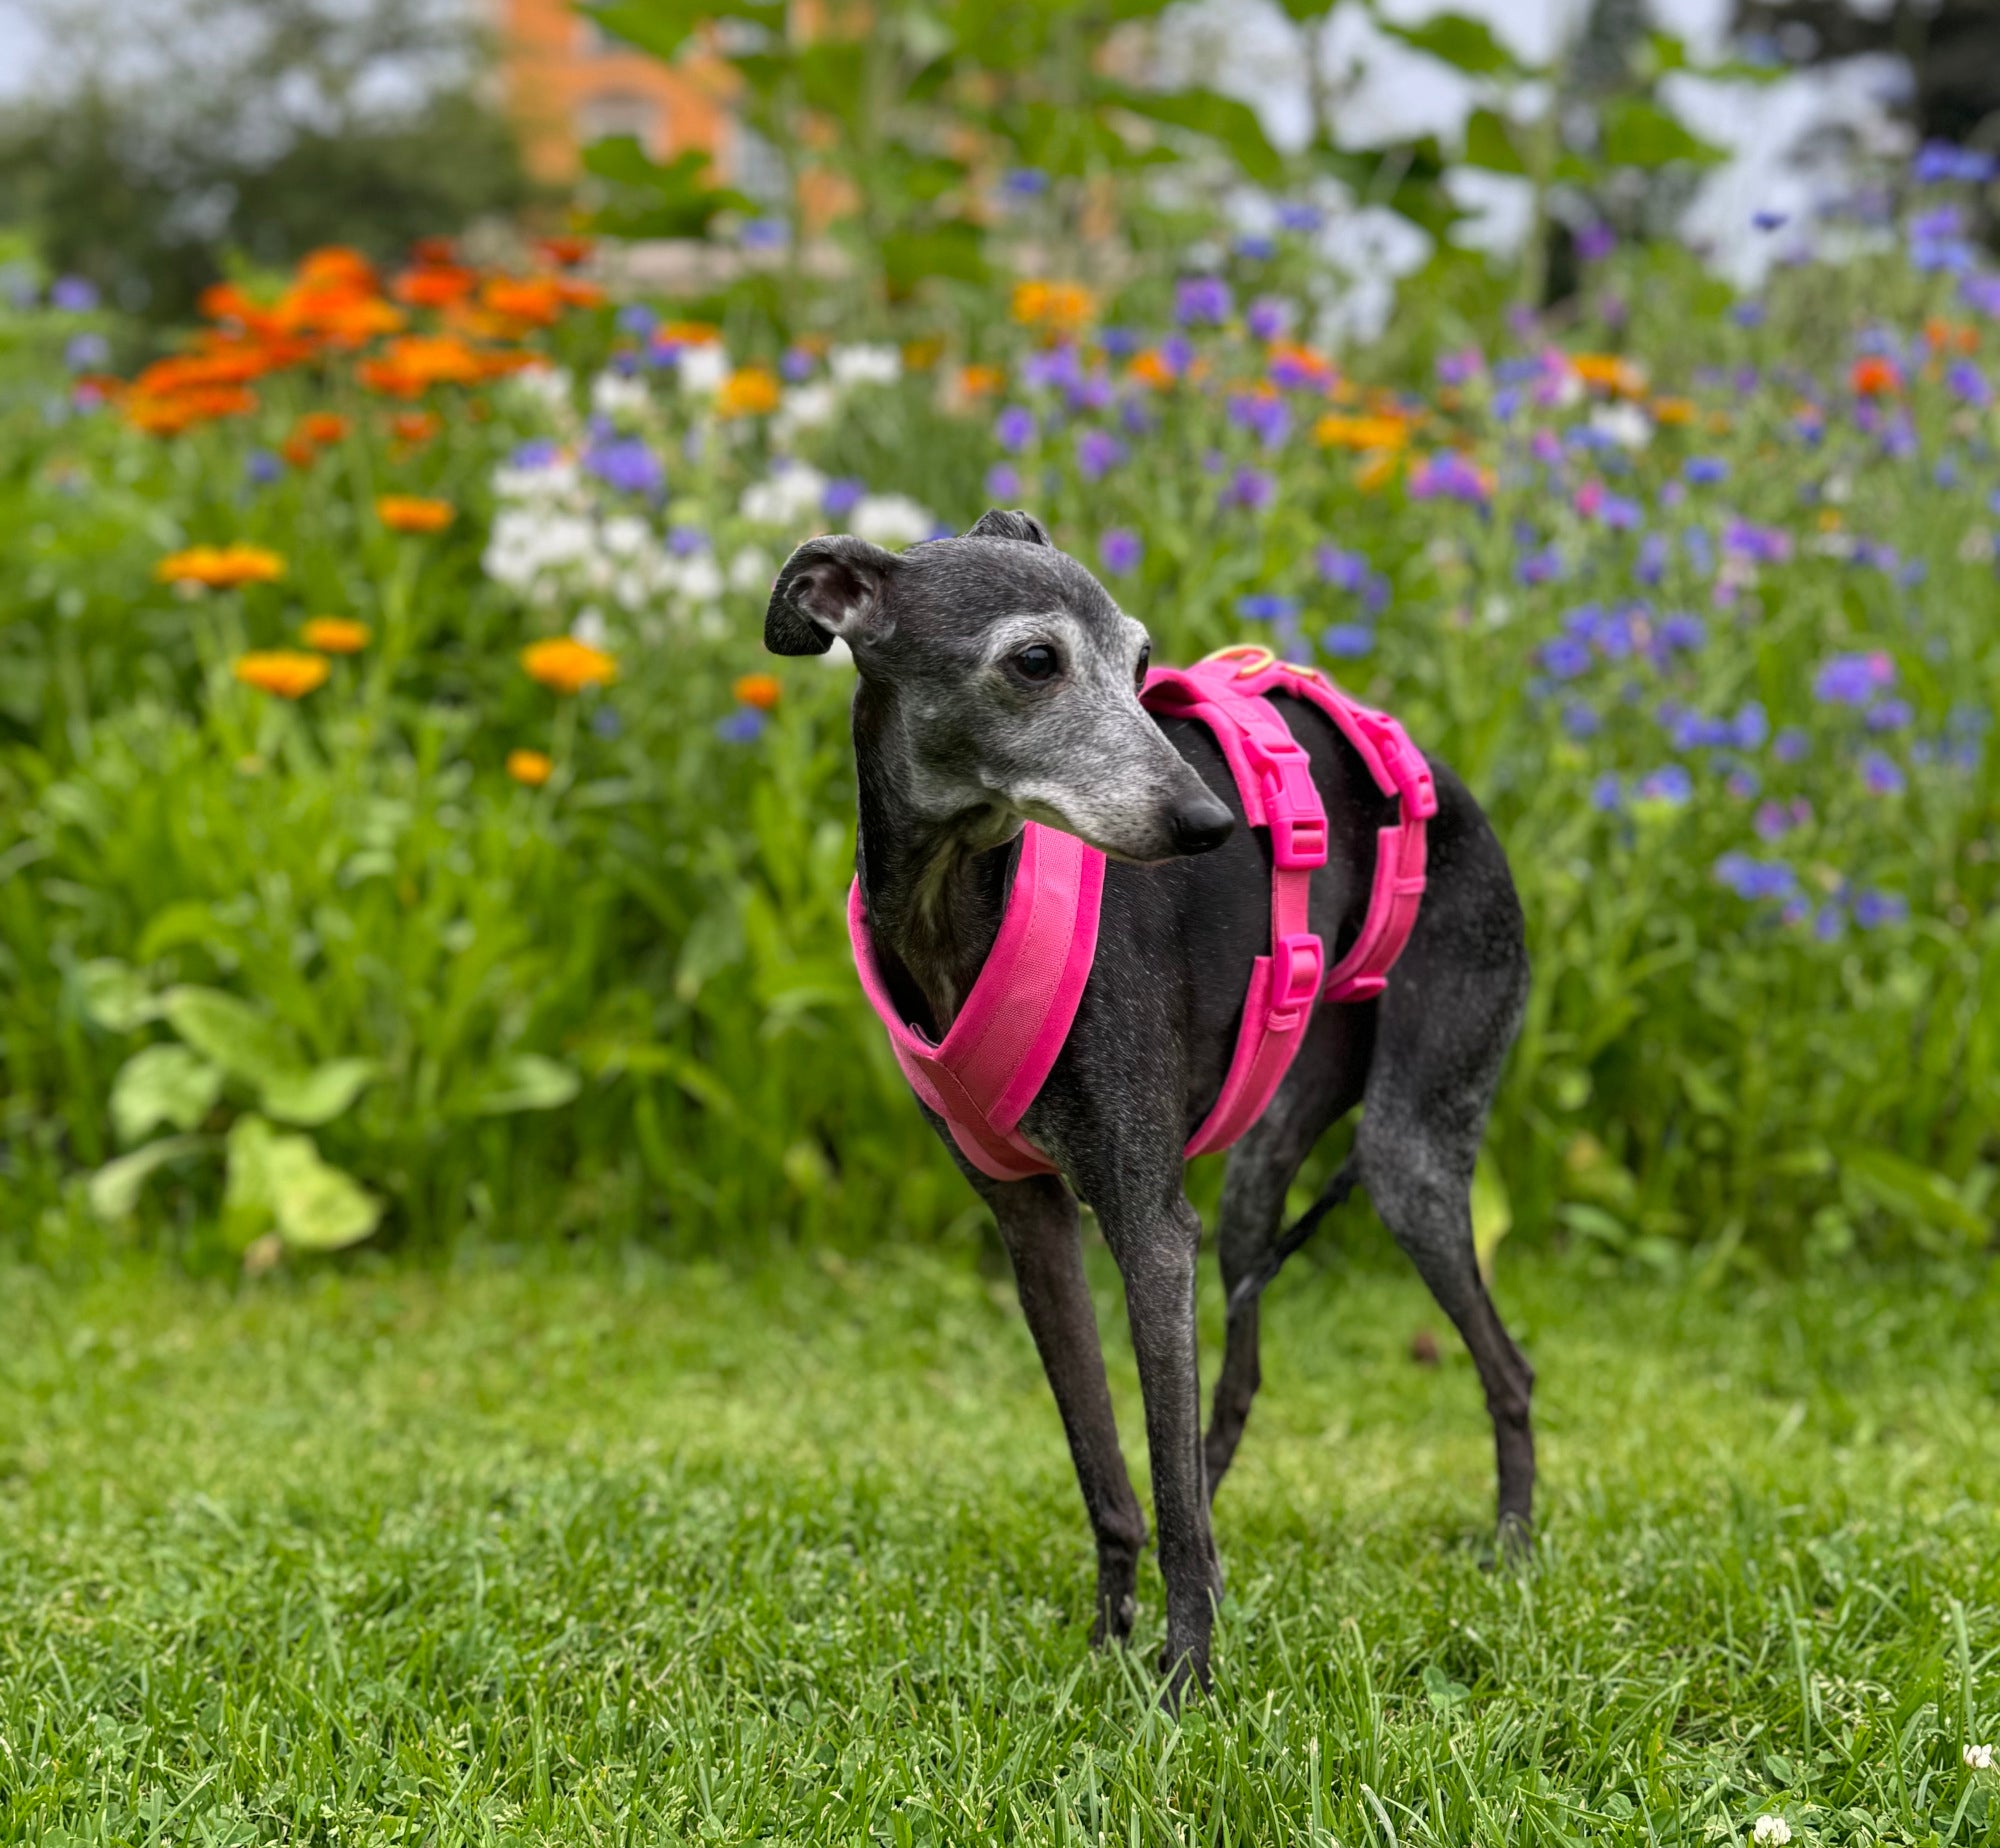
(1145, 661)
(1038, 662)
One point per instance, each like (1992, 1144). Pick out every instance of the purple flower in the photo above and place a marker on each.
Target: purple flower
(1252, 247)
(87, 353)
(1607, 794)
(1539, 567)
(73, 295)
(1266, 414)
(1580, 721)
(1060, 365)
(1756, 879)
(1881, 775)
(626, 464)
(1093, 393)
(1003, 482)
(1120, 341)
(1460, 368)
(1120, 550)
(262, 467)
(1026, 182)
(1346, 571)
(795, 364)
(1566, 657)
(1176, 353)
(536, 452)
(1873, 910)
(742, 726)
(1828, 923)
(1267, 606)
(685, 541)
(1298, 217)
(1202, 301)
(1268, 316)
(841, 496)
(1014, 429)
(1967, 383)
(1651, 564)
(1762, 545)
(1939, 163)
(1853, 679)
(1595, 242)
(1889, 715)
(1447, 475)
(1751, 726)
(1768, 221)
(1098, 452)
(1774, 820)
(1344, 641)
(1790, 745)
(637, 318)
(1251, 488)
(1683, 631)
(1670, 784)
(1702, 471)
(764, 234)
(1747, 314)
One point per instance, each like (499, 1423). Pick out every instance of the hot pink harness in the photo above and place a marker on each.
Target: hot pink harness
(985, 1072)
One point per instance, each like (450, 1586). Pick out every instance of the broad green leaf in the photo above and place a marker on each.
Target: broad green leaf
(279, 1180)
(1911, 1191)
(1205, 112)
(952, 253)
(163, 1084)
(1638, 133)
(525, 1081)
(663, 27)
(1452, 38)
(1492, 1212)
(187, 920)
(1444, 1692)
(1489, 143)
(316, 1096)
(241, 1039)
(115, 995)
(114, 1188)
(653, 198)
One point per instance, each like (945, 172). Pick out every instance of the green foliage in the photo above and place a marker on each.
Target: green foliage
(793, 1553)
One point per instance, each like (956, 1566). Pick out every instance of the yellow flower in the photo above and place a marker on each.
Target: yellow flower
(1672, 410)
(1377, 472)
(1607, 372)
(407, 513)
(533, 768)
(288, 672)
(1334, 431)
(568, 666)
(220, 567)
(335, 634)
(759, 690)
(749, 391)
(1063, 307)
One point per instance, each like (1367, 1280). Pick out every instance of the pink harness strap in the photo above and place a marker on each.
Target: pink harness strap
(992, 1062)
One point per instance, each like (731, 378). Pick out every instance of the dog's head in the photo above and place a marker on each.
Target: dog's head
(1009, 680)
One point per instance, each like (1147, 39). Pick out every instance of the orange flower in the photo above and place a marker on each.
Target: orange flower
(1292, 363)
(335, 266)
(568, 251)
(1943, 335)
(1377, 472)
(706, 333)
(533, 768)
(298, 451)
(408, 513)
(434, 286)
(1875, 377)
(412, 365)
(220, 567)
(759, 690)
(748, 391)
(1061, 307)
(287, 672)
(1607, 372)
(1152, 368)
(535, 299)
(414, 426)
(174, 412)
(568, 666)
(1333, 431)
(335, 634)
(1672, 410)
(980, 381)
(922, 355)
(322, 426)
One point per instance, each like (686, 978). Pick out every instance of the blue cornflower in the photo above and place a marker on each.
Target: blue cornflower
(73, 295)
(1098, 452)
(1014, 428)
(1251, 488)
(1346, 640)
(1119, 549)
(1026, 182)
(1881, 775)
(1003, 482)
(1607, 793)
(1566, 657)
(1580, 721)
(1267, 606)
(637, 318)
(742, 726)
(1756, 879)
(1853, 679)
(1268, 316)
(795, 365)
(841, 496)
(1703, 470)
(625, 463)
(1872, 910)
(1299, 217)
(1671, 783)
(1202, 301)
(262, 467)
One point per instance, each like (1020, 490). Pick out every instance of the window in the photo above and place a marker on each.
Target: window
(619, 112)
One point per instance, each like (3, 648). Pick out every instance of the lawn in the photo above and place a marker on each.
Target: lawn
(794, 1554)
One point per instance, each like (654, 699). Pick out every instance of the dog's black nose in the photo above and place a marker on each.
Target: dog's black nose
(1201, 822)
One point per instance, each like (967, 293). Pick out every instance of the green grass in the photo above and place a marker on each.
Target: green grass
(796, 1556)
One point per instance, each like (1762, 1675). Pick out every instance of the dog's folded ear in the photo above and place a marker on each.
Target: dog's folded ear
(836, 586)
(994, 524)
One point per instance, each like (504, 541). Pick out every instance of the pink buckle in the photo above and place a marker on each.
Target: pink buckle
(1401, 759)
(1292, 808)
(1298, 965)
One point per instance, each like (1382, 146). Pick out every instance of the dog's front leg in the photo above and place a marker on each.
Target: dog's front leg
(1038, 1221)
(1156, 1243)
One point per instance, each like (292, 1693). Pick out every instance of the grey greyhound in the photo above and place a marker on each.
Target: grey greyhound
(999, 684)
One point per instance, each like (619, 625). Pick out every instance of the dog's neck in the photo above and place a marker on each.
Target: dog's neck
(934, 884)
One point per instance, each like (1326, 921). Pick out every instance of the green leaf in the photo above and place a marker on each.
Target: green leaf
(115, 995)
(163, 1084)
(187, 920)
(241, 1039)
(281, 1181)
(656, 198)
(1489, 143)
(1910, 1191)
(1444, 1692)
(910, 259)
(662, 27)
(1205, 112)
(525, 1081)
(316, 1096)
(1638, 133)
(1465, 44)
(114, 1189)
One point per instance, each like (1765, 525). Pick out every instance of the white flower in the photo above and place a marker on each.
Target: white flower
(613, 396)
(551, 482)
(864, 365)
(589, 629)
(1625, 424)
(791, 494)
(625, 536)
(751, 569)
(1772, 1830)
(891, 519)
(698, 579)
(703, 368)
(805, 407)
(1978, 1758)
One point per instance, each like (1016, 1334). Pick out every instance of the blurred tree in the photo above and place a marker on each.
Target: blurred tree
(167, 136)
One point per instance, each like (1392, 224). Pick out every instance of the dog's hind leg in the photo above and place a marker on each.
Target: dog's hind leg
(1445, 1027)
(1038, 1222)
(1322, 1086)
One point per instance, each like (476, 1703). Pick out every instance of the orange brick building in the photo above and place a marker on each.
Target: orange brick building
(569, 83)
